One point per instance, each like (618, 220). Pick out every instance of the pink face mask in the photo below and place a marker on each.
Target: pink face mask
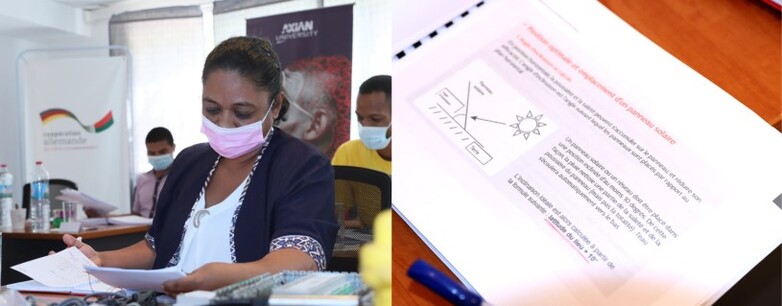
(235, 142)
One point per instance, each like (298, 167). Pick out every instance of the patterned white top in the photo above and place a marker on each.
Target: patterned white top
(207, 232)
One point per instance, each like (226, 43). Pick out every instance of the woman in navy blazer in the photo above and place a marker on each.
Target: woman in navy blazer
(253, 200)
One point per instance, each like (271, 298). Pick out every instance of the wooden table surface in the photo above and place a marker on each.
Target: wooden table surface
(735, 44)
(99, 231)
(22, 246)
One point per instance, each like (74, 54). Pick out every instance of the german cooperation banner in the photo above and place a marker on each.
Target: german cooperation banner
(76, 123)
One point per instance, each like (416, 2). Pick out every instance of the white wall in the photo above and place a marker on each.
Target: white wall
(9, 111)
(26, 25)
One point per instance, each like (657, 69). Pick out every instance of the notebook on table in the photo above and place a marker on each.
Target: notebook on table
(554, 155)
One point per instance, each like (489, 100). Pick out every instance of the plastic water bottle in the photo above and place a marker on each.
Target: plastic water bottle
(39, 199)
(6, 197)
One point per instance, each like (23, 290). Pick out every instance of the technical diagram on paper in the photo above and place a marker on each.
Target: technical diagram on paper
(484, 116)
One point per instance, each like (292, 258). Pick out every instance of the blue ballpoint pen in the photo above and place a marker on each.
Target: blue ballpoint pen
(438, 282)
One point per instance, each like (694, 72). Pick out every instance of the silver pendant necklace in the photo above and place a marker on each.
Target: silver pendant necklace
(197, 217)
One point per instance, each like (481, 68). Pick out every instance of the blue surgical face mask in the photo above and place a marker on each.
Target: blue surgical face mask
(374, 138)
(161, 162)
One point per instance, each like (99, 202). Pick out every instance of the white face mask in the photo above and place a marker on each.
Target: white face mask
(374, 138)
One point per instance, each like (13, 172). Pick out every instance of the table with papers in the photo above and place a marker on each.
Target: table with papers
(103, 237)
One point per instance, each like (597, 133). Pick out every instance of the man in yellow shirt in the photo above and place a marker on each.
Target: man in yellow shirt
(373, 148)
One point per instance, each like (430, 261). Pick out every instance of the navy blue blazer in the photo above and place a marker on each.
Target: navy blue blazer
(291, 193)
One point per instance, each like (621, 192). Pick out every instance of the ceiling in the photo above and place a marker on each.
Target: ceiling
(89, 5)
(46, 21)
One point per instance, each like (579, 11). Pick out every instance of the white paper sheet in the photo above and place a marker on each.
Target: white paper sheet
(553, 155)
(62, 269)
(117, 220)
(34, 286)
(415, 20)
(94, 221)
(130, 220)
(62, 272)
(86, 200)
(136, 279)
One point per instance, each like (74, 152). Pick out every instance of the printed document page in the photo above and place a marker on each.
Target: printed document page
(59, 272)
(552, 154)
(136, 279)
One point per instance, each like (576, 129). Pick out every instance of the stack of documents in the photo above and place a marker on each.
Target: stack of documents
(69, 271)
(118, 220)
(129, 220)
(86, 200)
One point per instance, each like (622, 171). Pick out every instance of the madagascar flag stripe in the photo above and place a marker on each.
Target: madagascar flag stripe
(104, 123)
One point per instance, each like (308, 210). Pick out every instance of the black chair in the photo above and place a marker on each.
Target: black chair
(361, 194)
(56, 187)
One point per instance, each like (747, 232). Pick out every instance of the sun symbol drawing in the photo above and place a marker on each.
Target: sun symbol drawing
(528, 125)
